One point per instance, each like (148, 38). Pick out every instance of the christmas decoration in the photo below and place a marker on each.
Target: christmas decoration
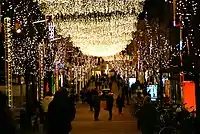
(26, 43)
(96, 27)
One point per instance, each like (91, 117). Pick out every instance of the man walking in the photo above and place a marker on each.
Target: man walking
(97, 106)
(61, 112)
(109, 103)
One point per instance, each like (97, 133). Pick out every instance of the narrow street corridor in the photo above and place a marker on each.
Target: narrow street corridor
(85, 124)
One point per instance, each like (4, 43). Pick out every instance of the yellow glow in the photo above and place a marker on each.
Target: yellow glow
(41, 68)
(18, 31)
(99, 39)
(8, 56)
(84, 7)
(95, 35)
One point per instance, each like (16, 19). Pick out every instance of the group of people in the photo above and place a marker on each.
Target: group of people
(102, 81)
(93, 97)
(95, 104)
(58, 112)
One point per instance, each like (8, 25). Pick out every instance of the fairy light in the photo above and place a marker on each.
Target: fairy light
(41, 68)
(153, 45)
(95, 26)
(186, 10)
(57, 72)
(25, 44)
(8, 58)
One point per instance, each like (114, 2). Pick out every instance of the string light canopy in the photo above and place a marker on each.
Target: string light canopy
(98, 28)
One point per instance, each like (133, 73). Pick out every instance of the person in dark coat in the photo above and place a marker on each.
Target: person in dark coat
(120, 103)
(109, 104)
(97, 106)
(89, 99)
(7, 124)
(125, 93)
(61, 112)
(110, 85)
(82, 96)
(147, 117)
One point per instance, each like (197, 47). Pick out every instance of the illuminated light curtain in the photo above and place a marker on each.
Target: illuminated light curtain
(99, 28)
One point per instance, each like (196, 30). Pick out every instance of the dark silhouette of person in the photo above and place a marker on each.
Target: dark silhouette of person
(96, 105)
(61, 112)
(7, 124)
(120, 103)
(139, 101)
(125, 93)
(109, 104)
(118, 85)
(147, 116)
(89, 99)
(82, 95)
(110, 85)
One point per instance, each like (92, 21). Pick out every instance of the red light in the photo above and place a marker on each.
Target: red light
(189, 95)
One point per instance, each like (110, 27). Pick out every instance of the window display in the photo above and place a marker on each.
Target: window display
(131, 81)
(153, 90)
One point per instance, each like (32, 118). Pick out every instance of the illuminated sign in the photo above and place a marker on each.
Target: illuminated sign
(51, 26)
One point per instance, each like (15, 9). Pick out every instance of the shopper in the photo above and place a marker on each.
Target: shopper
(109, 104)
(45, 104)
(120, 103)
(97, 106)
(61, 112)
(147, 117)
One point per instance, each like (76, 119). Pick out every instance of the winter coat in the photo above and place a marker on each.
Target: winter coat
(61, 112)
(120, 102)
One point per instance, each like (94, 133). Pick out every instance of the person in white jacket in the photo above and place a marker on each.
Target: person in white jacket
(45, 104)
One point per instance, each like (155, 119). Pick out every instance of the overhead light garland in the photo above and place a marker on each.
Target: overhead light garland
(80, 7)
(99, 28)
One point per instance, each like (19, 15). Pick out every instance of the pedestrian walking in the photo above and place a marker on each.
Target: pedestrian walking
(82, 96)
(109, 104)
(110, 85)
(120, 103)
(89, 99)
(45, 104)
(61, 112)
(147, 117)
(96, 105)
